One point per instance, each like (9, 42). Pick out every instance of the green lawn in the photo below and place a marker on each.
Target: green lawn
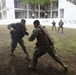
(65, 45)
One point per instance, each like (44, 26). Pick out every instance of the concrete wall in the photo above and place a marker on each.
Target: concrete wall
(69, 9)
(4, 14)
(69, 23)
(70, 13)
(10, 9)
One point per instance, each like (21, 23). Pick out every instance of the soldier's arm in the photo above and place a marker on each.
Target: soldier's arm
(34, 35)
(25, 31)
(11, 26)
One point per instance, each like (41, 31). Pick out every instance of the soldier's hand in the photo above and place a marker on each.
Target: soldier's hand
(11, 29)
(27, 33)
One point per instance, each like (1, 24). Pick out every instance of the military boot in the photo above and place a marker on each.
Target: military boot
(32, 67)
(28, 58)
(12, 54)
(65, 67)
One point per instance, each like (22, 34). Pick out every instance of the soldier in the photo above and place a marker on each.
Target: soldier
(43, 45)
(17, 31)
(61, 23)
(53, 25)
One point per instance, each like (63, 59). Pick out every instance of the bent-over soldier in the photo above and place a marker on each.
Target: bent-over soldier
(17, 31)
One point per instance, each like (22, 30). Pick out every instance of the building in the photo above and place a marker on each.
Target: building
(15, 9)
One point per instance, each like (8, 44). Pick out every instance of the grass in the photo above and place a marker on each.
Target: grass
(63, 42)
(65, 45)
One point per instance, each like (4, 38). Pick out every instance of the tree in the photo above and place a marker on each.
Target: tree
(45, 3)
(34, 3)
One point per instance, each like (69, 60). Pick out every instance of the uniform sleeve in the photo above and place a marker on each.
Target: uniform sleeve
(34, 35)
(11, 26)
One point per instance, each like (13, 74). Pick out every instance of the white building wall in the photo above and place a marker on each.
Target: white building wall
(68, 23)
(10, 9)
(4, 14)
(66, 10)
(71, 13)
(69, 9)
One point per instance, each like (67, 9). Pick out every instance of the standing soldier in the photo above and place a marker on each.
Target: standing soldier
(17, 31)
(45, 44)
(61, 23)
(53, 25)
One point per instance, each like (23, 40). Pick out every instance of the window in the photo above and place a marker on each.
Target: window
(55, 5)
(42, 8)
(3, 4)
(20, 14)
(41, 14)
(18, 4)
(54, 14)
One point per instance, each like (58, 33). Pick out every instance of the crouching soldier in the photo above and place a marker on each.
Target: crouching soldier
(45, 44)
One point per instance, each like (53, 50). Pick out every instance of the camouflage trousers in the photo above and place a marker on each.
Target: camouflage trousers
(53, 27)
(14, 44)
(42, 50)
(61, 28)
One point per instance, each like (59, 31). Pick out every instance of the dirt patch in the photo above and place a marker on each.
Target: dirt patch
(18, 65)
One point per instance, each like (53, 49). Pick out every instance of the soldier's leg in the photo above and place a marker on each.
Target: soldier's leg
(58, 29)
(52, 27)
(13, 46)
(38, 53)
(62, 29)
(52, 53)
(21, 42)
(55, 27)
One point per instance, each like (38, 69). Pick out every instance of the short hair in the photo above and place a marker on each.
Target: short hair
(37, 22)
(23, 20)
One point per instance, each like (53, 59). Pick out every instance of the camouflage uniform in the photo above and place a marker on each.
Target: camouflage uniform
(17, 34)
(61, 23)
(42, 46)
(54, 25)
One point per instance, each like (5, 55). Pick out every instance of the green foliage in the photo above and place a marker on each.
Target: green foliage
(37, 2)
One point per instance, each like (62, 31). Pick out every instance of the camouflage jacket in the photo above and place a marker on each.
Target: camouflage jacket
(53, 23)
(40, 36)
(18, 30)
(61, 23)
